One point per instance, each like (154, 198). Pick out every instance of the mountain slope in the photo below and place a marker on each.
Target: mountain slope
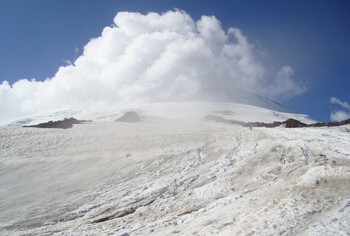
(166, 177)
(239, 105)
(171, 110)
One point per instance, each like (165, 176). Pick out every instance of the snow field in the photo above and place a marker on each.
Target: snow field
(164, 177)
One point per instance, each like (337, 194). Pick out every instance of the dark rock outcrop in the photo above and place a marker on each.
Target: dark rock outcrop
(130, 117)
(290, 123)
(330, 124)
(60, 124)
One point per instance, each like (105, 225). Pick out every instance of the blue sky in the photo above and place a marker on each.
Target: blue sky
(312, 37)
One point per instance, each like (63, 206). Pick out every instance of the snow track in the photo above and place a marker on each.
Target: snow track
(163, 177)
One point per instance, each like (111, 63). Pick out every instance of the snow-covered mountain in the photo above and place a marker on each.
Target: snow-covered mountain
(169, 177)
(239, 105)
(174, 173)
(171, 110)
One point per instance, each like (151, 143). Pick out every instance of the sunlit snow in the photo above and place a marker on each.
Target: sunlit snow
(164, 176)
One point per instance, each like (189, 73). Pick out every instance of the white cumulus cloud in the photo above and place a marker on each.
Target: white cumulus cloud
(340, 115)
(148, 58)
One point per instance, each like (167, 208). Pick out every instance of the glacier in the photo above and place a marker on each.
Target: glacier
(167, 176)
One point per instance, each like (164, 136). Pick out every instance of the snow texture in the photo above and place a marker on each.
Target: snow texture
(167, 177)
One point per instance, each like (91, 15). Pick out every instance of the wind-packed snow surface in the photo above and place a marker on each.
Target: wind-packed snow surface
(164, 177)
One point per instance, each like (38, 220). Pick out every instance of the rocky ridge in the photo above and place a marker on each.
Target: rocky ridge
(60, 124)
(290, 123)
